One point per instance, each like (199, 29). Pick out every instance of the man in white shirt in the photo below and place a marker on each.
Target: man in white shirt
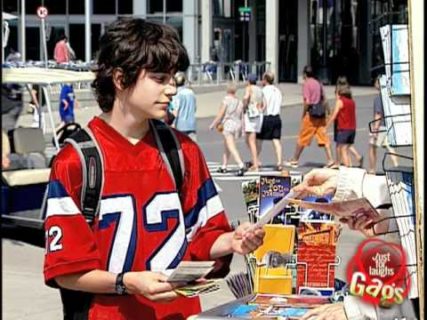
(272, 124)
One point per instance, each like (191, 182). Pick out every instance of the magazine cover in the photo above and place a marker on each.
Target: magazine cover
(250, 191)
(271, 190)
(316, 254)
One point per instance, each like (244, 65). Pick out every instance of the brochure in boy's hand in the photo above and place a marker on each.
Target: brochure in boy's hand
(271, 190)
(197, 289)
(189, 271)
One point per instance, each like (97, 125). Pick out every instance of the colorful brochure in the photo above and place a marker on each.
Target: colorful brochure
(316, 254)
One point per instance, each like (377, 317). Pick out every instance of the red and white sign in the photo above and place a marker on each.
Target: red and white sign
(42, 12)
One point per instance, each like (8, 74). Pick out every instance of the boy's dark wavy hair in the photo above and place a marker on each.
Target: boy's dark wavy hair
(133, 44)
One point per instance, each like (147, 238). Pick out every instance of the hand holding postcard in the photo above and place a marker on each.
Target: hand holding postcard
(354, 208)
(198, 288)
(189, 271)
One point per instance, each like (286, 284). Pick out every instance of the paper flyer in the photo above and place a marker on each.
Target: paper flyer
(189, 271)
(272, 189)
(343, 209)
(316, 254)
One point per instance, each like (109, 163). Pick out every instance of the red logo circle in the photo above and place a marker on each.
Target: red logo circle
(378, 273)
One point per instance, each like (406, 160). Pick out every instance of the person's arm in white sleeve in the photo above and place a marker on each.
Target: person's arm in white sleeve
(356, 183)
(356, 309)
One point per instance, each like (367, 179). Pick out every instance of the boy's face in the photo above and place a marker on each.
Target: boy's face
(150, 97)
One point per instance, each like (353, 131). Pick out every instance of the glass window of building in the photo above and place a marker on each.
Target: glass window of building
(174, 5)
(125, 6)
(155, 6)
(10, 6)
(76, 6)
(31, 6)
(104, 6)
(55, 6)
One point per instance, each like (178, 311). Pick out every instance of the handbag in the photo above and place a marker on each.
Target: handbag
(219, 127)
(317, 110)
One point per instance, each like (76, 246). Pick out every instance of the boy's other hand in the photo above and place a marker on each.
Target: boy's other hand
(152, 285)
(246, 238)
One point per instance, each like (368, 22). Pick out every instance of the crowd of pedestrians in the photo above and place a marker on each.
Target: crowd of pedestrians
(257, 118)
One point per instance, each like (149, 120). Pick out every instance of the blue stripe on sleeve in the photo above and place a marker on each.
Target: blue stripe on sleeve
(206, 192)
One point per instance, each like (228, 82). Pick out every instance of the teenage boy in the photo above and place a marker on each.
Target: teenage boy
(112, 269)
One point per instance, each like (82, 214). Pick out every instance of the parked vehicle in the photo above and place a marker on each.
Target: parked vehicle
(23, 189)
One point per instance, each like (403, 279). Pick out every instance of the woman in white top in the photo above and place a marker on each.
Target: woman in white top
(254, 105)
(230, 117)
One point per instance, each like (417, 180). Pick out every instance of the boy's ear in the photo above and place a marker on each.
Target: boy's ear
(118, 78)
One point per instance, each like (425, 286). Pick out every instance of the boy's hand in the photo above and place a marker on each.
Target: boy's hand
(152, 285)
(246, 239)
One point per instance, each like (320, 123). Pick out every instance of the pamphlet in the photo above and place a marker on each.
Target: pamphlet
(272, 189)
(316, 255)
(354, 208)
(198, 288)
(189, 271)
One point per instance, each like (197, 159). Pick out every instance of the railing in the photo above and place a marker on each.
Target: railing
(209, 73)
(214, 73)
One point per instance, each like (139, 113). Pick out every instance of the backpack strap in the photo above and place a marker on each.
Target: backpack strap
(170, 151)
(89, 152)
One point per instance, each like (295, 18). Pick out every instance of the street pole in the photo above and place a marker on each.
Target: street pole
(88, 47)
(43, 36)
(244, 34)
(164, 11)
(23, 47)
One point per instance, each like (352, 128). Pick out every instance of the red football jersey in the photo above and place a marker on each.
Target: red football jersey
(142, 223)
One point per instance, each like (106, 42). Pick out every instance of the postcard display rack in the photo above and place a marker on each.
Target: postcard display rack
(398, 166)
(297, 260)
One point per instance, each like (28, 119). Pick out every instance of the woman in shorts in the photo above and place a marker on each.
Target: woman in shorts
(344, 115)
(229, 118)
(253, 102)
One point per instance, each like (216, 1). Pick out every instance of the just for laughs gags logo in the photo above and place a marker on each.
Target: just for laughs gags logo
(378, 273)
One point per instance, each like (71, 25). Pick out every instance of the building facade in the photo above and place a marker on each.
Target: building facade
(337, 37)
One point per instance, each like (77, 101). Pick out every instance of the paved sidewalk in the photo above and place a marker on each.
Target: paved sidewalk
(208, 101)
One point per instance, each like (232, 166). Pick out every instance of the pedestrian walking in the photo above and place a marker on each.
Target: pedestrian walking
(61, 51)
(313, 122)
(13, 56)
(345, 116)
(114, 268)
(253, 103)
(67, 102)
(229, 122)
(184, 107)
(378, 136)
(271, 128)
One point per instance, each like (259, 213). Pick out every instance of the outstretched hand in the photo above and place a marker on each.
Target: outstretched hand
(318, 182)
(246, 238)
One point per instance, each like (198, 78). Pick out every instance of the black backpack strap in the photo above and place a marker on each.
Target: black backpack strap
(170, 150)
(92, 171)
